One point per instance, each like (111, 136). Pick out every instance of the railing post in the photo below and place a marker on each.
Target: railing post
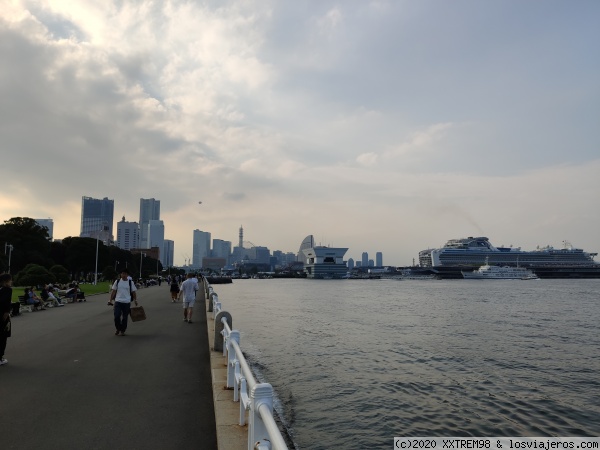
(211, 300)
(219, 326)
(261, 394)
(233, 336)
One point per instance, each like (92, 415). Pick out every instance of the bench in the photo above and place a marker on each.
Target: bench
(15, 309)
(23, 306)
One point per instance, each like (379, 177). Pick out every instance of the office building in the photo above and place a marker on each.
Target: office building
(350, 263)
(365, 259)
(201, 248)
(96, 215)
(156, 236)
(149, 210)
(168, 253)
(221, 249)
(379, 259)
(49, 224)
(128, 234)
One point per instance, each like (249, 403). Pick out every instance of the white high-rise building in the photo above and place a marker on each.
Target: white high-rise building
(128, 235)
(149, 210)
(201, 248)
(156, 237)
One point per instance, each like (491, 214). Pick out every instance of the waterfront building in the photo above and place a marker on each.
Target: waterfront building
(49, 224)
(365, 259)
(323, 262)
(221, 249)
(379, 259)
(96, 214)
(201, 248)
(128, 235)
(149, 210)
(350, 263)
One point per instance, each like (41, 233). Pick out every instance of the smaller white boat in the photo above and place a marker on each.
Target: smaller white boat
(487, 272)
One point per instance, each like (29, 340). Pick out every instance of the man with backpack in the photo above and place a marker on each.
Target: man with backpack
(121, 295)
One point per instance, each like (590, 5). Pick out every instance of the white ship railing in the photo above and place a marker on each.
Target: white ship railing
(256, 398)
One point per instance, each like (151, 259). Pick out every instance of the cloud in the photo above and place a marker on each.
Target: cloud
(383, 125)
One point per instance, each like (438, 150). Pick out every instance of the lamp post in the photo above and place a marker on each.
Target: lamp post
(96, 271)
(10, 249)
(141, 256)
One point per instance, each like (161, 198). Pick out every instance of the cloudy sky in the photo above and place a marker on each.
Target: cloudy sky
(377, 125)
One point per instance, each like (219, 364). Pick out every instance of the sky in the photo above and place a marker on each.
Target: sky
(379, 125)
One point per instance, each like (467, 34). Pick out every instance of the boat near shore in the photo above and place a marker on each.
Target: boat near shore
(487, 272)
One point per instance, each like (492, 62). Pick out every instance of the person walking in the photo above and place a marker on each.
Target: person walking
(122, 293)
(5, 305)
(188, 290)
(174, 290)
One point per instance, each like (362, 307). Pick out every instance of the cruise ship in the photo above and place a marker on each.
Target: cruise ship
(458, 255)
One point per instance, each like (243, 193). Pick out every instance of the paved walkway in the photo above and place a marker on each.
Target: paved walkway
(72, 384)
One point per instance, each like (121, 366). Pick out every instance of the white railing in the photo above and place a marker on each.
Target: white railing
(256, 398)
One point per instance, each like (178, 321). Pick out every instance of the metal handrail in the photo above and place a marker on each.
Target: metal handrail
(256, 398)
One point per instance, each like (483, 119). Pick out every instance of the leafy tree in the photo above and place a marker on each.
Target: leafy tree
(29, 240)
(80, 254)
(109, 273)
(33, 275)
(61, 274)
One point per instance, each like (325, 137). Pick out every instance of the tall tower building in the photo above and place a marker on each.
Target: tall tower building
(201, 248)
(96, 215)
(149, 210)
(221, 249)
(241, 243)
(168, 252)
(365, 259)
(379, 259)
(128, 235)
(156, 237)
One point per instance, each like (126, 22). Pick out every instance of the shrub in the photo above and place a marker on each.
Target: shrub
(34, 275)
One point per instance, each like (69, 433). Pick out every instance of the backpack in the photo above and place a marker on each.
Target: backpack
(117, 287)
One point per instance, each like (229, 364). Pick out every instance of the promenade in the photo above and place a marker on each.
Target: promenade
(72, 384)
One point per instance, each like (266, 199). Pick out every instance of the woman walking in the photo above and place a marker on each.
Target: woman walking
(5, 305)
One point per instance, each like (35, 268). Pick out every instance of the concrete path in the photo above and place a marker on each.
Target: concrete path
(72, 384)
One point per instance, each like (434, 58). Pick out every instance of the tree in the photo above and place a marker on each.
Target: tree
(109, 273)
(61, 274)
(30, 242)
(34, 275)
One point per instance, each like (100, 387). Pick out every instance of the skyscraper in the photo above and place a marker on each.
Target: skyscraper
(379, 259)
(365, 259)
(156, 237)
(96, 215)
(221, 249)
(168, 252)
(149, 210)
(201, 248)
(128, 235)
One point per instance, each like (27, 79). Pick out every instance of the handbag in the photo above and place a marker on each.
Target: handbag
(137, 313)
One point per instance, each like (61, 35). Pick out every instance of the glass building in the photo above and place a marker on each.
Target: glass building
(96, 215)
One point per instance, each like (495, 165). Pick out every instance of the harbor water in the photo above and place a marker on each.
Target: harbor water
(355, 363)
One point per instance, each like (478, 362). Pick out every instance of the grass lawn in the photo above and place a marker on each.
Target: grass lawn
(88, 289)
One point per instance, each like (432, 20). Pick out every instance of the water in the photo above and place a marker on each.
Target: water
(356, 362)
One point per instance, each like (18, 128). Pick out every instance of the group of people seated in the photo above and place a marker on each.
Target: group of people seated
(51, 296)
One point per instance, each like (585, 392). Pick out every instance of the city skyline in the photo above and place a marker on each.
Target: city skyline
(374, 125)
